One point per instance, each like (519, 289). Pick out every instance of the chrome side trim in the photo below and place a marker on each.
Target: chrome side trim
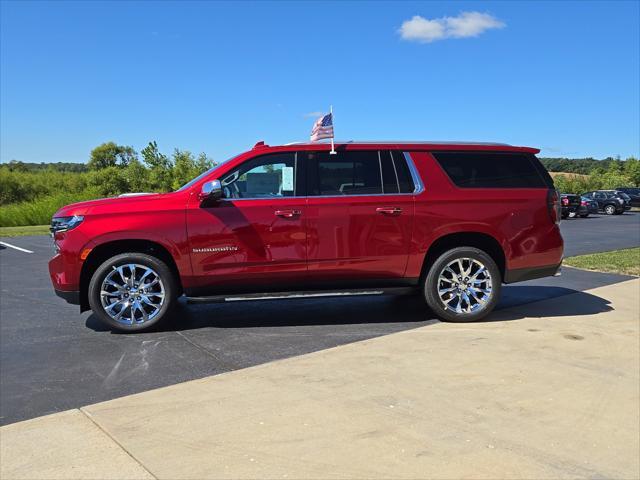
(417, 181)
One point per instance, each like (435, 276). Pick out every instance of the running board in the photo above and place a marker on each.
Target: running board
(295, 295)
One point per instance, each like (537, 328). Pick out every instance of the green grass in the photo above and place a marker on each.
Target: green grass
(20, 231)
(625, 261)
(38, 211)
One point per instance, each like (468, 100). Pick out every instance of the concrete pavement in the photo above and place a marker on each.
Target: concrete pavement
(545, 390)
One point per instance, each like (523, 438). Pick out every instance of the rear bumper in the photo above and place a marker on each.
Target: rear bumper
(72, 297)
(522, 274)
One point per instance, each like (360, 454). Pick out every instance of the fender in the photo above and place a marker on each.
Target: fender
(419, 249)
(182, 261)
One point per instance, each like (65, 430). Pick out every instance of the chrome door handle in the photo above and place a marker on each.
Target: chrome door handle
(389, 210)
(288, 213)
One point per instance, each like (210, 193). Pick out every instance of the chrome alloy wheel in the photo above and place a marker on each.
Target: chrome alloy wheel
(465, 286)
(132, 294)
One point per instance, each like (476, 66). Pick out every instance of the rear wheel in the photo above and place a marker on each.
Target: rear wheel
(572, 214)
(463, 285)
(132, 291)
(609, 209)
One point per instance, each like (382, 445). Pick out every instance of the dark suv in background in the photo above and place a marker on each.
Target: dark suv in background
(609, 202)
(633, 193)
(571, 206)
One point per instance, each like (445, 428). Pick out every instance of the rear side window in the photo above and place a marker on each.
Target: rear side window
(493, 170)
(345, 173)
(404, 175)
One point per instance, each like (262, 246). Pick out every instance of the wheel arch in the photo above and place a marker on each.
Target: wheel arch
(108, 249)
(482, 241)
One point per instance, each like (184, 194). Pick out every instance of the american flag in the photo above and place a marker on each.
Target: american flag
(323, 128)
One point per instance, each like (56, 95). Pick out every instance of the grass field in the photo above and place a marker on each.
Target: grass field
(39, 211)
(625, 261)
(21, 231)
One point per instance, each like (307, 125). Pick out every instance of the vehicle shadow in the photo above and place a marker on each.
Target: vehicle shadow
(517, 303)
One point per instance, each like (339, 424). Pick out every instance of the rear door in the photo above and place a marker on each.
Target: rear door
(359, 215)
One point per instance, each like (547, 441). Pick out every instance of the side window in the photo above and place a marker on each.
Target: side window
(404, 175)
(345, 173)
(389, 174)
(395, 173)
(267, 176)
(491, 169)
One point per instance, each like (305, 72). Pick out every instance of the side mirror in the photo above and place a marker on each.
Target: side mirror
(210, 192)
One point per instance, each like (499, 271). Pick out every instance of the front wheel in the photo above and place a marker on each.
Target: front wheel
(572, 214)
(132, 291)
(463, 285)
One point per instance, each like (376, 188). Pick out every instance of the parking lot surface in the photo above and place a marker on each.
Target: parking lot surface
(600, 233)
(52, 358)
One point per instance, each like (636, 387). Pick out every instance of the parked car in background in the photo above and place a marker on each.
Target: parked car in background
(608, 203)
(281, 219)
(590, 204)
(619, 194)
(633, 193)
(570, 206)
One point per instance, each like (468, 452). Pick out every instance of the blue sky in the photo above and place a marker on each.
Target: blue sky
(216, 77)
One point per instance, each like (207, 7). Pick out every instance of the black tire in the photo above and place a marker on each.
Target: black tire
(168, 282)
(431, 281)
(584, 215)
(609, 209)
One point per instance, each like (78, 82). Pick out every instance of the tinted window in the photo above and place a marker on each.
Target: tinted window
(404, 175)
(389, 176)
(262, 177)
(491, 169)
(345, 173)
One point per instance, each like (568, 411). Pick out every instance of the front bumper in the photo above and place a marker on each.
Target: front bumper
(64, 271)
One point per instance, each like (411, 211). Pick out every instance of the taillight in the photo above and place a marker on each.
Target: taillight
(583, 203)
(565, 201)
(553, 205)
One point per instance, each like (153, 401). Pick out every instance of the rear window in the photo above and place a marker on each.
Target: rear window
(493, 169)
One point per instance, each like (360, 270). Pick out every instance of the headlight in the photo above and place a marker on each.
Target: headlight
(62, 224)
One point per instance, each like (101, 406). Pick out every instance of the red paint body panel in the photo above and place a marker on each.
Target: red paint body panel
(349, 239)
(245, 242)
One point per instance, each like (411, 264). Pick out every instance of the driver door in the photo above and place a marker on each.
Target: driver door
(254, 238)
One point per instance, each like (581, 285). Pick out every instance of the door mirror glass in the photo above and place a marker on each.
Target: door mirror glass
(210, 191)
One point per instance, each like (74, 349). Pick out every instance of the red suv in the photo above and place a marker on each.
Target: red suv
(453, 220)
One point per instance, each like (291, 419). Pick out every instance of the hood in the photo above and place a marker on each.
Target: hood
(107, 204)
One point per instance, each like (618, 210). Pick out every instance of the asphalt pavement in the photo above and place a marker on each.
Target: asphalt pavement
(53, 358)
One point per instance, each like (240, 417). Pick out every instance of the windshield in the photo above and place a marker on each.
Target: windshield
(204, 174)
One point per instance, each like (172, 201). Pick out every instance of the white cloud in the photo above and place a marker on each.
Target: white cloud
(313, 114)
(467, 24)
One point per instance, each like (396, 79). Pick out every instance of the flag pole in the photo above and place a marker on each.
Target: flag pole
(333, 151)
